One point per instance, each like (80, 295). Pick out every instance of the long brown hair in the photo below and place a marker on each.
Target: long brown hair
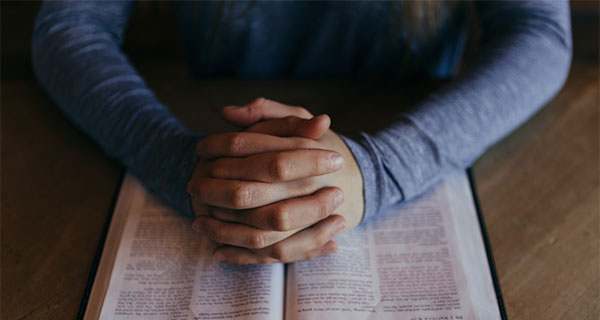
(421, 19)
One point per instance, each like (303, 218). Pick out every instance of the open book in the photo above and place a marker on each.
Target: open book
(424, 260)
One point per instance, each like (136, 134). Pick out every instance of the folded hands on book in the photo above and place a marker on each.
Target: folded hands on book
(277, 191)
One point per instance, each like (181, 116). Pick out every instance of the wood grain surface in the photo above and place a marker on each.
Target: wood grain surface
(539, 187)
(539, 196)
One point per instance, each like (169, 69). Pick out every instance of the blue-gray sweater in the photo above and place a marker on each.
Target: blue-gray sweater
(524, 59)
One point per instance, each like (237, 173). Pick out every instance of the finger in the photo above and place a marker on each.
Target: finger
(241, 144)
(236, 234)
(286, 215)
(277, 166)
(313, 128)
(237, 194)
(238, 255)
(261, 109)
(297, 247)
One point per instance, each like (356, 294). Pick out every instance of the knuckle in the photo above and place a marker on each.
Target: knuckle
(240, 197)
(322, 237)
(257, 105)
(279, 252)
(217, 170)
(279, 169)
(235, 143)
(280, 219)
(258, 101)
(290, 121)
(258, 240)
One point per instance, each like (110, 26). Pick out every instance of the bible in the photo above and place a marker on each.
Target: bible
(425, 259)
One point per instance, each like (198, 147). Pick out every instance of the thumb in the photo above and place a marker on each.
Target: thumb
(290, 126)
(261, 109)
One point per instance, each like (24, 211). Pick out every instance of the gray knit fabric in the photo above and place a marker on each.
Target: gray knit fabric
(524, 59)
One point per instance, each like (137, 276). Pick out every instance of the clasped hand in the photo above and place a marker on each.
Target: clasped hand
(279, 190)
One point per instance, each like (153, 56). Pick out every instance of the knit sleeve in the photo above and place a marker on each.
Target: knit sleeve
(77, 60)
(523, 61)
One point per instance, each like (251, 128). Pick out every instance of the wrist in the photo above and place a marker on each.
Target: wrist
(369, 175)
(348, 179)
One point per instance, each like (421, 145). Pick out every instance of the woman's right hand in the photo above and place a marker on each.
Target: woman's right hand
(270, 190)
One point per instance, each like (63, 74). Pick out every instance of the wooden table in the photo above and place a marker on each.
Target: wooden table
(538, 188)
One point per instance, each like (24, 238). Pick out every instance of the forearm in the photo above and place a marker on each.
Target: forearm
(523, 62)
(76, 58)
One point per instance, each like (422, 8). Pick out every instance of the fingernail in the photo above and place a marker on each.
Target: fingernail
(337, 161)
(338, 198)
(218, 256)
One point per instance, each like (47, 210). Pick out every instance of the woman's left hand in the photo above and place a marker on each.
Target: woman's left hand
(298, 241)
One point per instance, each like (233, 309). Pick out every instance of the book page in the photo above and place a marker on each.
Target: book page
(423, 260)
(164, 270)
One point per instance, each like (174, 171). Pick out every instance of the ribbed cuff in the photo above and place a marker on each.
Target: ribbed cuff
(181, 198)
(168, 179)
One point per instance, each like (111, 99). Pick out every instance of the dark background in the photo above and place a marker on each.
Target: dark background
(538, 188)
(153, 24)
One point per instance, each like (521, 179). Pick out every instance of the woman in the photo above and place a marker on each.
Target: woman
(271, 190)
